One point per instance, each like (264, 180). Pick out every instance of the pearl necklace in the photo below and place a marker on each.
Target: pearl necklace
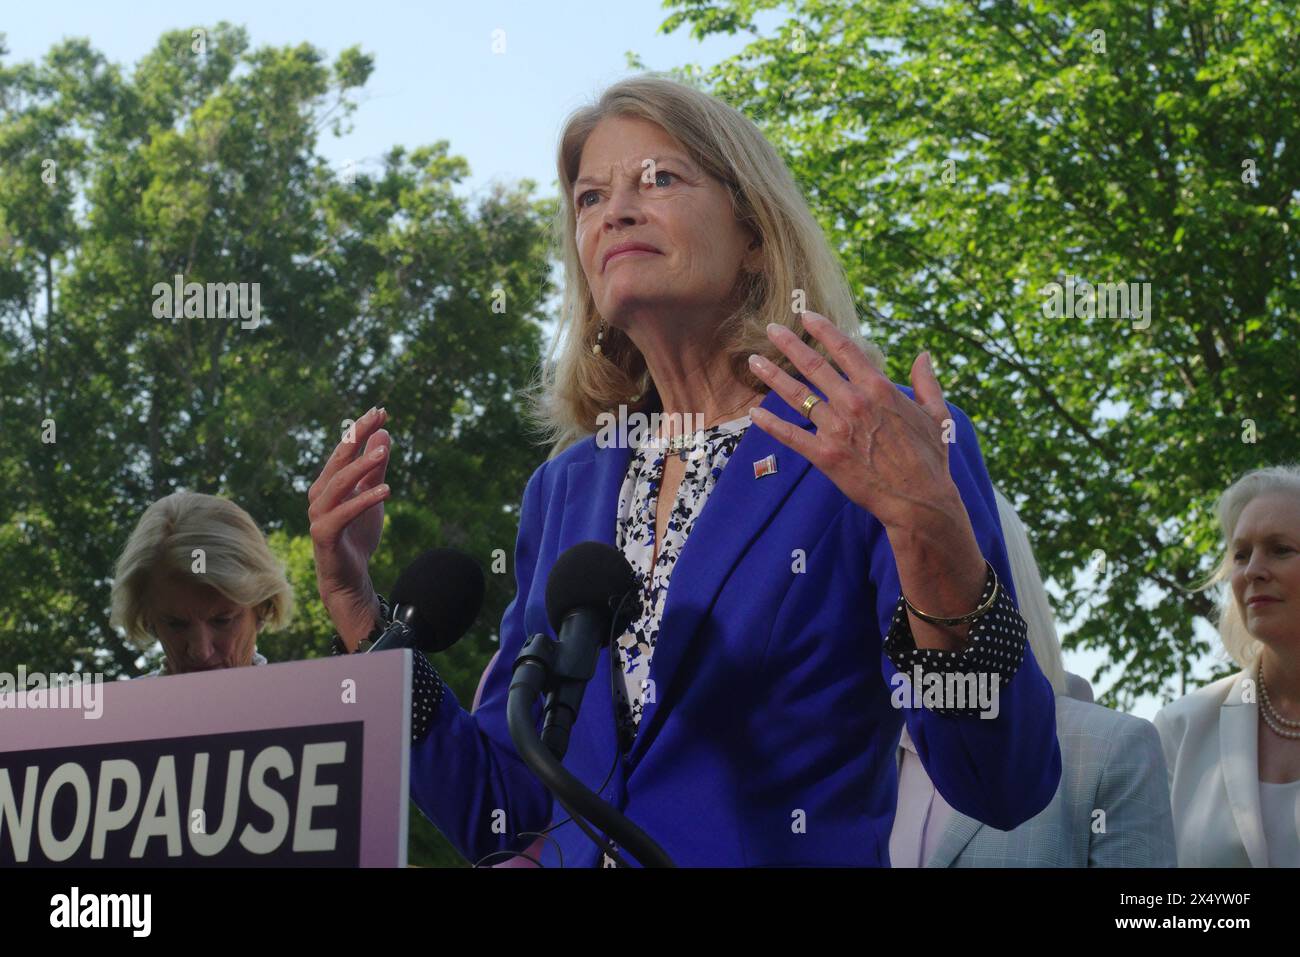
(1272, 718)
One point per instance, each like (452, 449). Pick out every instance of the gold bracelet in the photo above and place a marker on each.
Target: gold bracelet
(936, 620)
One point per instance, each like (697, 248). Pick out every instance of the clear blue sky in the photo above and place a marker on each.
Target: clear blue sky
(436, 75)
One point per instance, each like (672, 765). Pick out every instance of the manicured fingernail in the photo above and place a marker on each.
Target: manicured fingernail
(773, 327)
(377, 453)
(758, 362)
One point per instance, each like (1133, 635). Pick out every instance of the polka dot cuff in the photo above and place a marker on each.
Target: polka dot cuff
(995, 645)
(427, 690)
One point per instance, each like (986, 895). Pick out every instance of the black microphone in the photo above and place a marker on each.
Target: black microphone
(591, 592)
(435, 601)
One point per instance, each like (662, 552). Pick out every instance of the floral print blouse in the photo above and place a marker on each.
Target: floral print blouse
(635, 538)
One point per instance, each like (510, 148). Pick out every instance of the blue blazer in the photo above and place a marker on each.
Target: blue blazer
(771, 736)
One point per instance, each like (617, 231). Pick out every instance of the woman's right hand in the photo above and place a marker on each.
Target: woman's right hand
(346, 508)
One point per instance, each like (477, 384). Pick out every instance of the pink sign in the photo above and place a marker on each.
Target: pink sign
(296, 764)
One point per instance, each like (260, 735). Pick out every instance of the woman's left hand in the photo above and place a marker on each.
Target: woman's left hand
(884, 451)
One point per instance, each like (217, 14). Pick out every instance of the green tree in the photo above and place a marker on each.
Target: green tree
(963, 156)
(378, 285)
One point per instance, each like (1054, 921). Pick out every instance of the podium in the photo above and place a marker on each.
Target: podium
(289, 765)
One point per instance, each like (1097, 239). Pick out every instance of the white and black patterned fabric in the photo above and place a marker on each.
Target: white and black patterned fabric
(635, 538)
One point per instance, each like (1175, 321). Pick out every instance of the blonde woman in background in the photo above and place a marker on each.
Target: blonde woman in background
(1233, 747)
(1112, 806)
(198, 576)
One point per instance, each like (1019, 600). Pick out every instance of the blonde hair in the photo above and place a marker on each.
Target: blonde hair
(238, 561)
(1031, 596)
(572, 390)
(1240, 645)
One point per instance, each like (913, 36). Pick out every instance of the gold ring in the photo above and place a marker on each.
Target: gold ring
(808, 403)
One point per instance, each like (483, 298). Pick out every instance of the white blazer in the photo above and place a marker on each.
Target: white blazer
(1211, 743)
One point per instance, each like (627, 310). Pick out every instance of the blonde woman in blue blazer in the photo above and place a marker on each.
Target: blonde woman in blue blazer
(821, 533)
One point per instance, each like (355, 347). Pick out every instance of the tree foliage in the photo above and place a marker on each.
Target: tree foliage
(378, 285)
(963, 156)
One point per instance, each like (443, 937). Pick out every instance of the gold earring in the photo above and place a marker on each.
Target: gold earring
(600, 336)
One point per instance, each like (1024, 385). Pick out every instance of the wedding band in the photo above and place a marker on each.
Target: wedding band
(808, 403)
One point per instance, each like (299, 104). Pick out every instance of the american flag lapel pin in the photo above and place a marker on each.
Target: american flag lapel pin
(765, 466)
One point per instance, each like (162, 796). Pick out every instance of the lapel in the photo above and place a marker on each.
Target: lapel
(1239, 757)
(737, 510)
(962, 829)
(956, 836)
(590, 504)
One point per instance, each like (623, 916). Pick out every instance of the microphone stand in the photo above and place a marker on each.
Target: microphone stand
(532, 676)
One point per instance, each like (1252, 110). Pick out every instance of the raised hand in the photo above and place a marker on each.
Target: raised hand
(886, 453)
(346, 508)
(883, 450)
